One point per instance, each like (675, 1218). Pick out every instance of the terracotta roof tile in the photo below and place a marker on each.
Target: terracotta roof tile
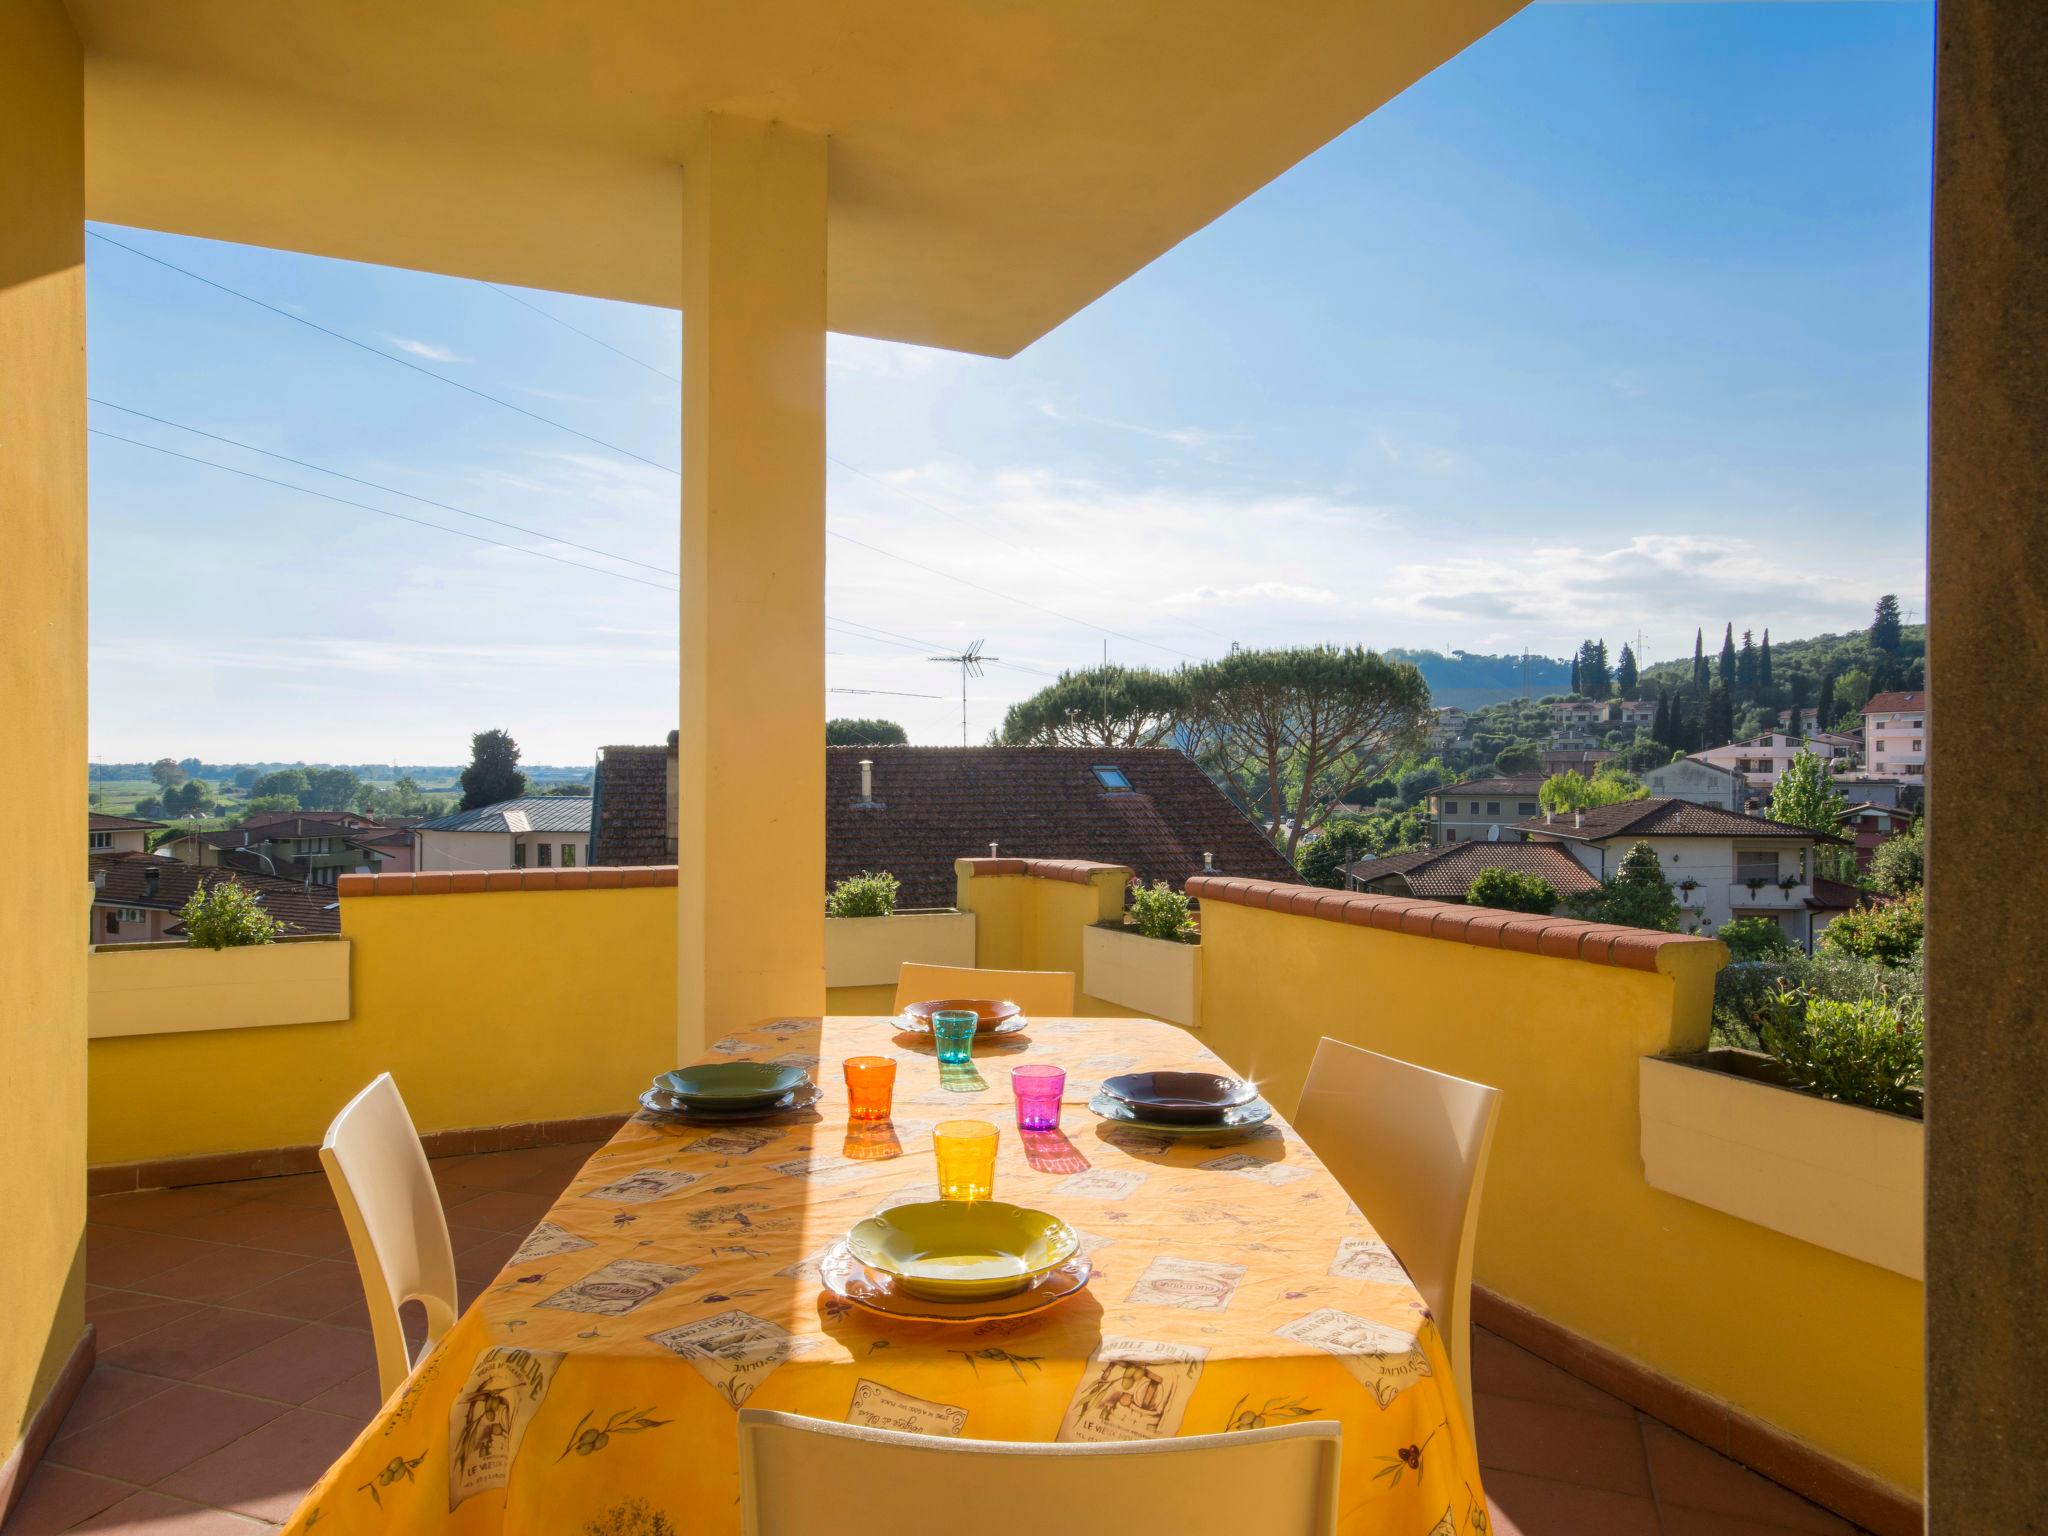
(1666, 817)
(1446, 873)
(124, 880)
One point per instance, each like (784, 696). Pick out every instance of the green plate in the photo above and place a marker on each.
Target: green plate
(1235, 1122)
(962, 1250)
(732, 1084)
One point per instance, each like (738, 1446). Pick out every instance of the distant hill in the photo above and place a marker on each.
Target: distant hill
(1472, 680)
(1843, 653)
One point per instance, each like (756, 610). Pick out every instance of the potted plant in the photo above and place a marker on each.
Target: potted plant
(1788, 883)
(1151, 959)
(1755, 884)
(1818, 1136)
(868, 938)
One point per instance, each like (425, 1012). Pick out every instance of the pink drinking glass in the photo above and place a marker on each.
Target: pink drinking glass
(1038, 1088)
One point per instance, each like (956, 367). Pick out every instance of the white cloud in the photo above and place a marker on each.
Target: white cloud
(1258, 592)
(1181, 437)
(433, 352)
(1568, 588)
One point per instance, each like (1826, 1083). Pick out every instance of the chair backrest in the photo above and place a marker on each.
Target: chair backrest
(396, 1226)
(1045, 993)
(800, 1476)
(1409, 1146)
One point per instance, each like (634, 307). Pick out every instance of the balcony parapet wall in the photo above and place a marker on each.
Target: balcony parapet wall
(1558, 938)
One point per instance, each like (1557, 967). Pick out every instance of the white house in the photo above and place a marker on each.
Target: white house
(533, 832)
(1722, 864)
(1895, 735)
(1703, 783)
(1761, 759)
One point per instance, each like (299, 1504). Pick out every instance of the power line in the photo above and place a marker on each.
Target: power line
(418, 522)
(389, 357)
(464, 533)
(425, 501)
(599, 340)
(587, 437)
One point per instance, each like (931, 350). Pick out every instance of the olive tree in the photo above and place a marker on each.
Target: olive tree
(1292, 732)
(1107, 706)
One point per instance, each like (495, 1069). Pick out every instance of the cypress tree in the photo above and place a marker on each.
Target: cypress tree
(1824, 711)
(1699, 661)
(1745, 665)
(1626, 674)
(1575, 668)
(1763, 664)
(1728, 658)
(1660, 728)
(1717, 729)
(1884, 625)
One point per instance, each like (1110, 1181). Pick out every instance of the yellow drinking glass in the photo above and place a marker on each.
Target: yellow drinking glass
(967, 1159)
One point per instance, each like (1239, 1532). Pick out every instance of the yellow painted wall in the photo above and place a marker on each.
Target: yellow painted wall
(1029, 924)
(489, 1008)
(1823, 1346)
(44, 894)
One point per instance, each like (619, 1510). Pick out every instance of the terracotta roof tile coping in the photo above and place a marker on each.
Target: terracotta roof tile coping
(1076, 871)
(460, 882)
(1561, 938)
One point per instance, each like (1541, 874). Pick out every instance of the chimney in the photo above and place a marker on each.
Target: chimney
(1578, 818)
(1208, 863)
(991, 850)
(1549, 817)
(149, 880)
(867, 780)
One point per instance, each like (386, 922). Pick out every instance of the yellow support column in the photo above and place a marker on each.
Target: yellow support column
(44, 895)
(751, 753)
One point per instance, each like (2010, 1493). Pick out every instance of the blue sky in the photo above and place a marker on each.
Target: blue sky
(1617, 322)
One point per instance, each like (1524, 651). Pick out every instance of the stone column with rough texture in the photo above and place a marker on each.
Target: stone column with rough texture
(1987, 1119)
(750, 827)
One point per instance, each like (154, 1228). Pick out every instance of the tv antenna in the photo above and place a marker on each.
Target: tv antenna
(969, 662)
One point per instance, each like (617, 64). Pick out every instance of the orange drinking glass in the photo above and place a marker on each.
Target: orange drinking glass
(870, 1087)
(967, 1159)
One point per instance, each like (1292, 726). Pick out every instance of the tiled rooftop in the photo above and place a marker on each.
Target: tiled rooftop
(235, 1366)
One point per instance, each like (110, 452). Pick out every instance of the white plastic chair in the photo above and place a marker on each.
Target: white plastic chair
(800, 1476)
(396, 1226)
(1045, 994)
(1409, 1146)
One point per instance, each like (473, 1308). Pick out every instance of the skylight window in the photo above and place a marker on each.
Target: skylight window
(1113, 780)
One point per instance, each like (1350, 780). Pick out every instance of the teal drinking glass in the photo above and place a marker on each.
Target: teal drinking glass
(953, 1034)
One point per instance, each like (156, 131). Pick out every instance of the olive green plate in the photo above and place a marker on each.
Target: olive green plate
(731, 1084)
(962, 1250)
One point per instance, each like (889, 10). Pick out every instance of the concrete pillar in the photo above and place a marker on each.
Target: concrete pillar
(44, 895)
(1987, 908)
(751, 749)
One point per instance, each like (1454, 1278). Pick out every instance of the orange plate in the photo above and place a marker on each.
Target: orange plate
(993, 1012)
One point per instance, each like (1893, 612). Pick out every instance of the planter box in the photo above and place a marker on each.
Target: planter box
(164, 989)
(868, 951)
(1835, 1175)
(1153, 976)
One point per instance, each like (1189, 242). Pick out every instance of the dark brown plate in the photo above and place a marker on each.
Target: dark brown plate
(1181, 1098)
(993, 1012)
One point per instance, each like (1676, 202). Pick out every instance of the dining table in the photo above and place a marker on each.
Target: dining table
(592, 1388)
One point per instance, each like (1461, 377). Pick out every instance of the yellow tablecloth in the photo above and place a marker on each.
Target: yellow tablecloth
(590, 1391)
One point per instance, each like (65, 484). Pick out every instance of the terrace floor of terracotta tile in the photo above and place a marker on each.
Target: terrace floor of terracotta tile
(235, 1365)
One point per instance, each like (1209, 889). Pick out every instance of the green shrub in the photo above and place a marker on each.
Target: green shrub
(1756, 938)
(227, 915)
(863, 895)
(1512, 891)
(1900, 865)
(1636, 895)
(1867, 1053)
(1163, 913)
(1746, 992)
(1889, 932)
